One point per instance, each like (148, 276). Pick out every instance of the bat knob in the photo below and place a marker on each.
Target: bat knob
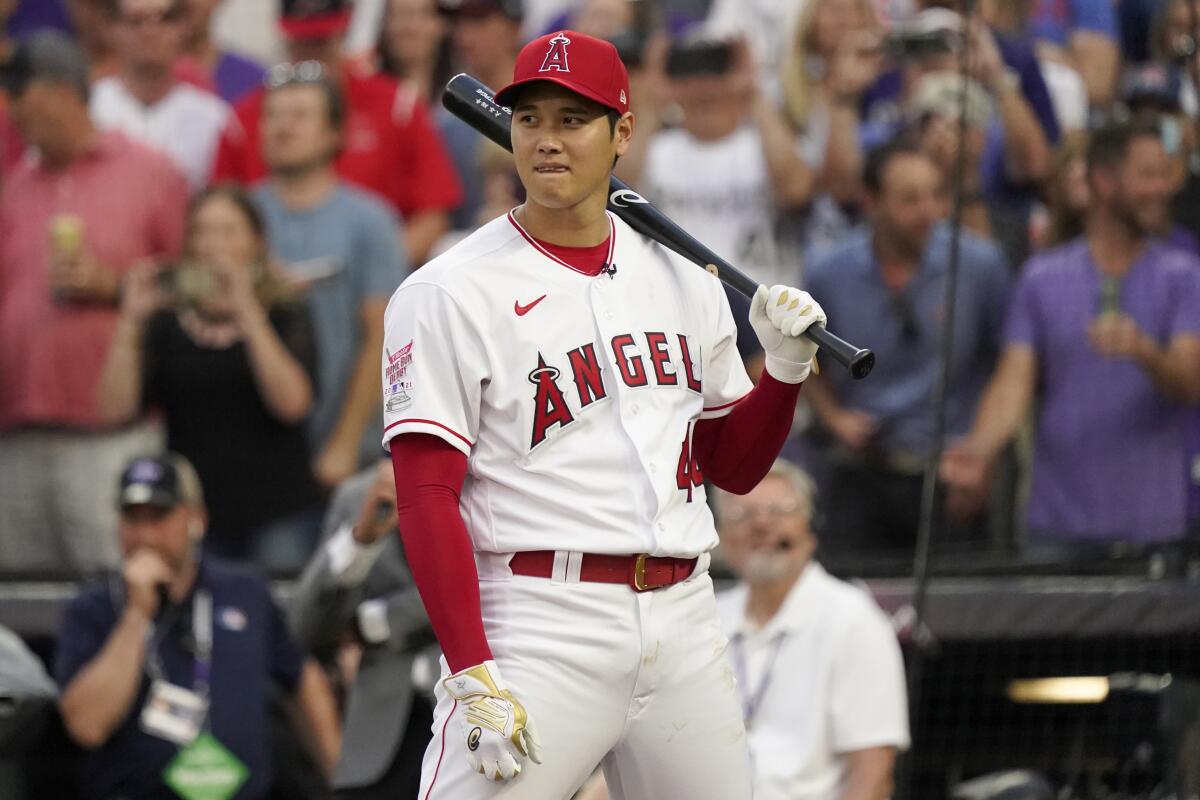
(861, 364)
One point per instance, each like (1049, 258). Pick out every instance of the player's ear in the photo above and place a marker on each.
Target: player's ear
(623, 133)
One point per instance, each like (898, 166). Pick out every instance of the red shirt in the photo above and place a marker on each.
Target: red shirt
(391, 146)
(132, 202)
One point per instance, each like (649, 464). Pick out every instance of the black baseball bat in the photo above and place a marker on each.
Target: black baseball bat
(474, 103)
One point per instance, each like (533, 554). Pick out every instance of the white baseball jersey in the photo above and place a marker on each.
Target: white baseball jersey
(573, 396)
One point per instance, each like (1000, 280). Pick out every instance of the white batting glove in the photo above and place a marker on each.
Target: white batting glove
(779, 316)
(496, 729)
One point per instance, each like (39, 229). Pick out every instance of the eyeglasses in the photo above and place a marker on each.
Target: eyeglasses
(738, 515)
(287, 73)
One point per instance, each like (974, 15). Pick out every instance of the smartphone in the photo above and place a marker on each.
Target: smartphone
(188, 284)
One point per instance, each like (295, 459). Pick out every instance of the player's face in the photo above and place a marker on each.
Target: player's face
(563, 146)
(163, 530)
(766, 534)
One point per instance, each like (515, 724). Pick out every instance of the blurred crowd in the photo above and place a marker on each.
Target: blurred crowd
(205, 206)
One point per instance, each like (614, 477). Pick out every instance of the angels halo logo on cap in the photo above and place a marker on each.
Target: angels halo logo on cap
(556, 56)
(588, 66)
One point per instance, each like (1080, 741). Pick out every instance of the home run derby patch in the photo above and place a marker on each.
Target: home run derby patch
(395, 396)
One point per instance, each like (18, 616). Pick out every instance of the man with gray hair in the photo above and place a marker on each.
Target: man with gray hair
(80, 210)
(817, 664)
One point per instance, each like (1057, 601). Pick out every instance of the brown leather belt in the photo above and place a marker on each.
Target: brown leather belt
(642, 572)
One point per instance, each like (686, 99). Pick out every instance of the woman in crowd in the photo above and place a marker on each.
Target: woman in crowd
(823, 66)
(221, 347)
(414, 45)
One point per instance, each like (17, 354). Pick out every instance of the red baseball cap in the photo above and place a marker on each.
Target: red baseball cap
(314, 19)
(584, 64)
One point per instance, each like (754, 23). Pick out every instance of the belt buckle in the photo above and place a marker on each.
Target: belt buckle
(639, 575)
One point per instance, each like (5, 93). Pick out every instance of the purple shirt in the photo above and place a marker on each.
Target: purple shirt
(236, 76)
(1110, 459)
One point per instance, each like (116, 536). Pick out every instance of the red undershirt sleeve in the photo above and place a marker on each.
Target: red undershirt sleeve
(429, 476)
(736, 451)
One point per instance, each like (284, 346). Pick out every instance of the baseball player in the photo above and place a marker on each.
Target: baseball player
(556, 389)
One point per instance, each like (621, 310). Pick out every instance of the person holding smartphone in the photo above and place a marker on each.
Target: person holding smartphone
(223, 349)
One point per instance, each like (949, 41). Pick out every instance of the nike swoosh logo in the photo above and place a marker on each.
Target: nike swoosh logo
(523, 310)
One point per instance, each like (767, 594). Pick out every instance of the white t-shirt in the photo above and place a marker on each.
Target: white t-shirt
(823, 678)
(721, 192)
(573, 396)
(186, 125)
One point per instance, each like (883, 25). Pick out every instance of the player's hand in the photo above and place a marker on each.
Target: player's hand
(144, 571)
(779, 316)
(496, 729)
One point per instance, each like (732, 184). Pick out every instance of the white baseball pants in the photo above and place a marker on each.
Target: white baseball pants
(638, 683)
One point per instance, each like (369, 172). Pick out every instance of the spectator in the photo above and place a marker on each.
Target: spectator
(8, 43)
(1083, 34)
(1172, 42)
(1105, 333)
(870, 106)
(390, 145)
(767, 26)
(818, 668)
(885, 286)
(358, 587)
(61, 257)
(346, 245)
(1067, 90)
(146, 101)
(206, 64)
(486, 35)
(92, 21)
(934, 112)
(1067, 195)
(414, 46)
(226, 356)
(167, 670)
(1017, 155)
(810, 90)
(753, 172)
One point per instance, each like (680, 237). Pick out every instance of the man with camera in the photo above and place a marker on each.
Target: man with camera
(167, 668)
(73, 219)
(357, 589)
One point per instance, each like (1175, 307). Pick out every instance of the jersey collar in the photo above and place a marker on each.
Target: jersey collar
(536, 245)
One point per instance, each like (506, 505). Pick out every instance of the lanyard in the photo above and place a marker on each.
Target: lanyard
(202, 637)
(752, 699)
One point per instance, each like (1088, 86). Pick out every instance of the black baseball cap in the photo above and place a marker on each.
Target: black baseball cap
(1156, 85)
(165, 481)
